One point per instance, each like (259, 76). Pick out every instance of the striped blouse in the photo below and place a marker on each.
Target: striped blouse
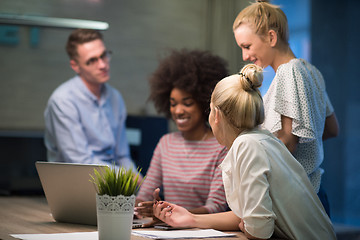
(188, 173)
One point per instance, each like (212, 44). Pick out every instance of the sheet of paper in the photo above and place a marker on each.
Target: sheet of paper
(58, 236)
(156, 234)
(181, 234)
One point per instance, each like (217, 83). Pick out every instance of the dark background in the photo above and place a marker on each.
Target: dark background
(334, 37)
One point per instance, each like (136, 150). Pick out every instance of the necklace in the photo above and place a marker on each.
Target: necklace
(190, 146)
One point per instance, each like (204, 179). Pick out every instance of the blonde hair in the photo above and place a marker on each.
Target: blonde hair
(263, 16)
(239, 99)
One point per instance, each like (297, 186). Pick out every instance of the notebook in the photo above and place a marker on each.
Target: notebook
(69, 193)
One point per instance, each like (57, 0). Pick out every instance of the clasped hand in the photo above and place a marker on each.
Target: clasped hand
(145, 209)
(173, 215)
(162, 211)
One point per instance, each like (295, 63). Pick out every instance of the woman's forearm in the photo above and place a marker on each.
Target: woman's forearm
(331, 128)
(225, 221)
(285, 134)
(199, 210)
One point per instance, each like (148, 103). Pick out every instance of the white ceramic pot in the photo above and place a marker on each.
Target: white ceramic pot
(114, 216)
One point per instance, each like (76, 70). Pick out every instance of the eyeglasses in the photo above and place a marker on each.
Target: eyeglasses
(106, 57)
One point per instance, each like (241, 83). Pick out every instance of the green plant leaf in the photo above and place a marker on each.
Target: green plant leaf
(116, 182)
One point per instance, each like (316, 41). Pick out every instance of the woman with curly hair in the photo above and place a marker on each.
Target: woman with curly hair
(185, 163)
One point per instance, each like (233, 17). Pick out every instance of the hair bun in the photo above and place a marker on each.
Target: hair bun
(251, 76)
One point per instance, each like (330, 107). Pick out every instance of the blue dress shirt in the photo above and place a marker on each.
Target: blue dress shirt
(80, 128)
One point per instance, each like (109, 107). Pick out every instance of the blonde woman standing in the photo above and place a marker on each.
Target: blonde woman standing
(297, 108)
(256, 165)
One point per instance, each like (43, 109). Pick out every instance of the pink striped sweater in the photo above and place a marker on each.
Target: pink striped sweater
(188, 172)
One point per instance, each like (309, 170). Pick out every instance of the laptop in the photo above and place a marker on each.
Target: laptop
(69, 193)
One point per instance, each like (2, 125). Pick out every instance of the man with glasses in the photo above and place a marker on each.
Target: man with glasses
(85, 116)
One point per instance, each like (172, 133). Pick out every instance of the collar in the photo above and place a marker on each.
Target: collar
(83, 89)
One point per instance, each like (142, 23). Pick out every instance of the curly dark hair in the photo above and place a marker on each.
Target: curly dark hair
(193, 71)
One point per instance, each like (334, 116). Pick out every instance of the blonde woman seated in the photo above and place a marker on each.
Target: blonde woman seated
(266, 188)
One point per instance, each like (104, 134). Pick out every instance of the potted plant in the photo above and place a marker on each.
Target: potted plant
(115, 200)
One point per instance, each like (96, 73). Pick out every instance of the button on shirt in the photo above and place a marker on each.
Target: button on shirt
(80, 128)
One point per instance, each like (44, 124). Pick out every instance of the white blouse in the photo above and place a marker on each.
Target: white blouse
(298, 92)
(270, 191)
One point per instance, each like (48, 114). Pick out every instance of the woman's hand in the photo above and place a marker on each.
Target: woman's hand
(173, 215)
(145, 209)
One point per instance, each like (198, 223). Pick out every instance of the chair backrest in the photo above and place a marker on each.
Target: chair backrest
(21, 149)
(143, 133)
